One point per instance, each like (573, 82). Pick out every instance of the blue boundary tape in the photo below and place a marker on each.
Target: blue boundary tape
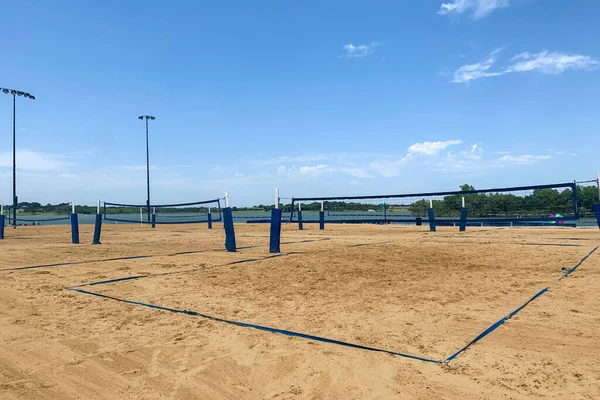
(260, 327)
(552, 244)
(495, 326)
(180, 253)
(570, 271)
(367, 244)
(516, 244)
(103, 260)
(489, 330)
(133, 277)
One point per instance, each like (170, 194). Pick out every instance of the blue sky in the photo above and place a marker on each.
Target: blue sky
(317, 97)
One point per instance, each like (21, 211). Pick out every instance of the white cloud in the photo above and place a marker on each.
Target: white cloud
(550, 62)
(431, 148)
(479, 8)
(313, 171)
(67, 175)
(473, 162)
(475, 153)
(32, 161)
(356, 172)
(303, 172)
(544, 62)
(469, 72)
(525, 159)
(216, 168)
(309, 172)
(292, 159)
(247, 180)
(390, 167)
(332, 158)
(361, 50)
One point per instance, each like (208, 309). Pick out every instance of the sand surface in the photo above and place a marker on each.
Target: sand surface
(396, 288)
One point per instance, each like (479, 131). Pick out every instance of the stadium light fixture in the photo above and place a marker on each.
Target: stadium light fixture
(15, 93)
(147, 117)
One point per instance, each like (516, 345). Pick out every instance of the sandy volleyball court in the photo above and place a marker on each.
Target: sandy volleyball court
(396, 288)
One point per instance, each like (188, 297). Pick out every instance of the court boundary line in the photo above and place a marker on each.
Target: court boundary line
(124, 258)
(445, 361)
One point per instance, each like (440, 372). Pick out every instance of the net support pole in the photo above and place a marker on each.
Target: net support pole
(598, 183)
(275, 235)
(596, 207)
(300, 224)
(575, 206)
(2, 222)
(597, 213)
(431, 217)
(74, 225)
(97, 226)
(463, 217)
(209, 216)
(228, 226)
(153, 217)
(322, 217)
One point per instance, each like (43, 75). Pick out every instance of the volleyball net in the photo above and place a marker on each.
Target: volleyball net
(527, 205)
(36, 214)
(184, 213)
(588, 194)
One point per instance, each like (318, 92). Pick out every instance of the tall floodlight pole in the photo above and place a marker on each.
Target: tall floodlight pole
(147, 117)
(14, 94)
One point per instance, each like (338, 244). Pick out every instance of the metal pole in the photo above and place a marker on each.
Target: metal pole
(598, 182)
(14, 164)
(147, 170)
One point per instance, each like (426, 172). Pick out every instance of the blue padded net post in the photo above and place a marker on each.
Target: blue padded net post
(229, 232)
(431, 220)
(300, 224)
(97, 229)
(321, 220)
(74, 229)
(209, 220)
(153, 220)
(2, 217)
(597, 213)
(275, 237)
(463, 219)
